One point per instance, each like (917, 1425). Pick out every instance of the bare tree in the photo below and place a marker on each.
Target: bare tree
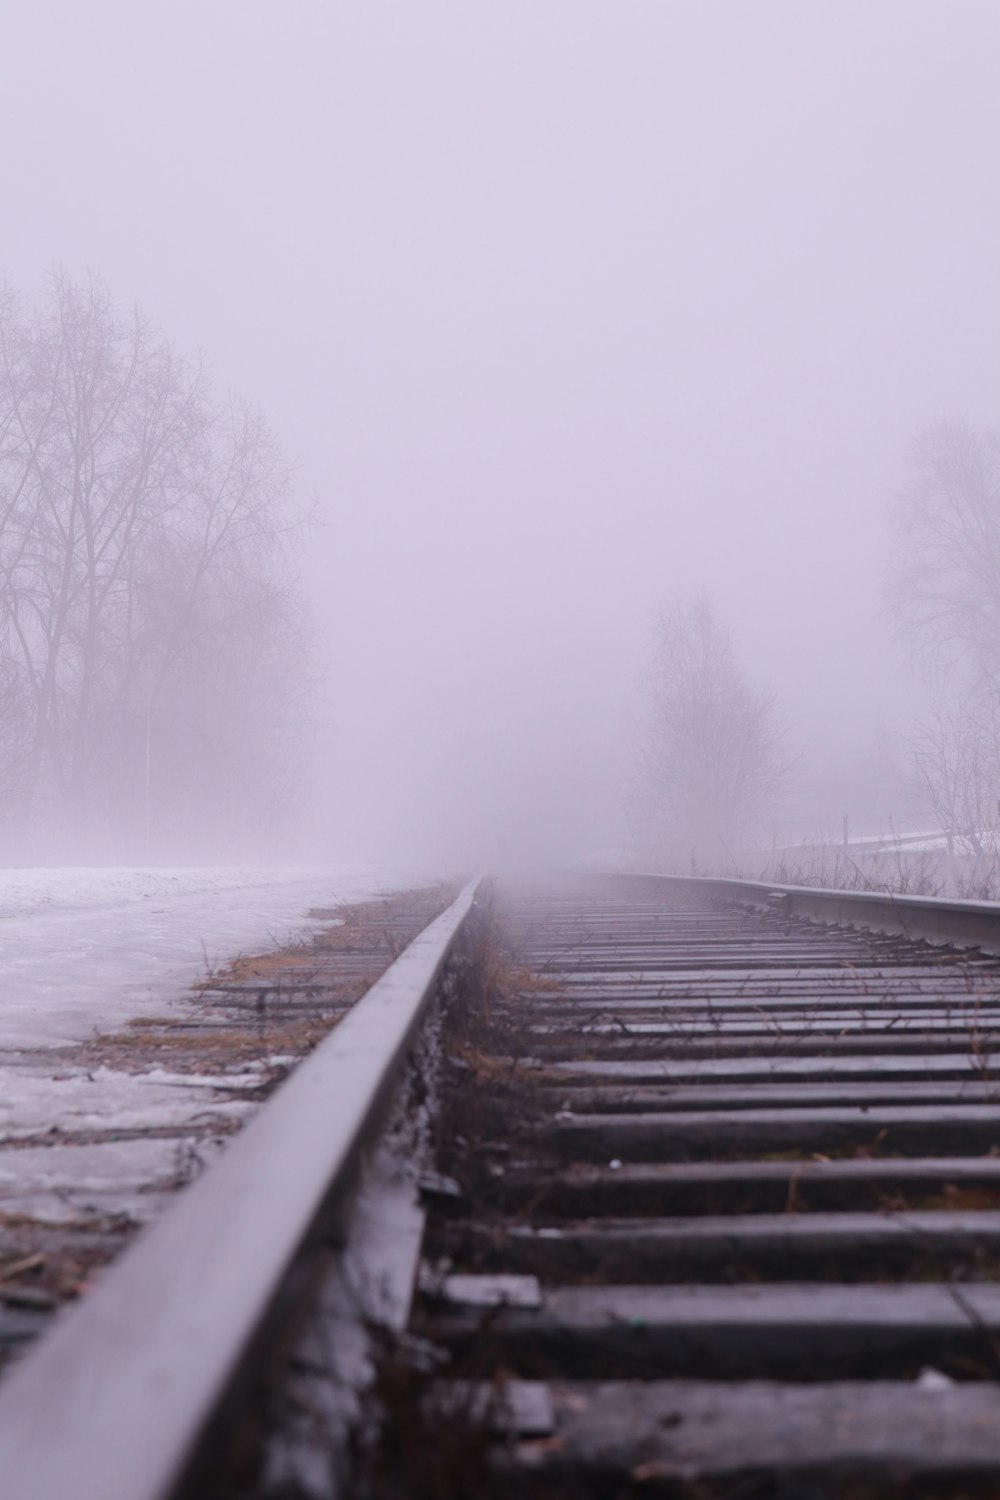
(143, 561)
(955, 758)
(712, 755)
(945, 573)
(945, 595)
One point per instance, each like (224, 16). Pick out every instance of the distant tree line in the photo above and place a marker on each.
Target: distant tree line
(150, 626)
(712, 760)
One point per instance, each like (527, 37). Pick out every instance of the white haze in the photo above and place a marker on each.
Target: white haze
(562, 307)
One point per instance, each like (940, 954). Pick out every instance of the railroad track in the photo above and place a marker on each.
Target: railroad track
(681, 1187)
(75, 1190)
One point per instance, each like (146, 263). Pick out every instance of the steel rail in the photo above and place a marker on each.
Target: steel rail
(115, 1402)
(964, 923)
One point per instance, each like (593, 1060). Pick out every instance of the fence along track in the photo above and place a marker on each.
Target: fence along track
(764, 1219)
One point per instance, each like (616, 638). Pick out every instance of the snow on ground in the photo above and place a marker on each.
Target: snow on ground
(84, 951)
(105, 1098)
(76, 1183)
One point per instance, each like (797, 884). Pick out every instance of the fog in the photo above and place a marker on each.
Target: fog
(561, 309)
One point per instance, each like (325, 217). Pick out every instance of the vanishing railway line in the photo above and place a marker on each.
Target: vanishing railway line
(640, 1186)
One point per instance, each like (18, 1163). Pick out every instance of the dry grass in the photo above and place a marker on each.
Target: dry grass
(427, 1446)
(379, 928)
(46, 1264)
(491, 1104)
(183, 1050)
(885, 869)
(265, 1024)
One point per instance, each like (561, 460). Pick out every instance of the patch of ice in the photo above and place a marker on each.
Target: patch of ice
(58, 1184)
(33, 1102)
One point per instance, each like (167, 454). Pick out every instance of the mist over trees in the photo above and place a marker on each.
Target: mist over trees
(945, 597)
(712, 755)
(151, 635)
(945, 573)
(712, 770)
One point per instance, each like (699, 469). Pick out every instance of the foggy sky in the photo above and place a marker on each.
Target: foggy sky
(562, 306)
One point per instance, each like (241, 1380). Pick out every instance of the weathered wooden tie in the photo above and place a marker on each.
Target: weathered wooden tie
(767, 1150)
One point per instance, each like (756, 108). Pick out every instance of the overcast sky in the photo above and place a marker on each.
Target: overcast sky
(562, 306)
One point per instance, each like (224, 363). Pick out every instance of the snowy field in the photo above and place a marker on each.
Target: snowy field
(83, 952)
